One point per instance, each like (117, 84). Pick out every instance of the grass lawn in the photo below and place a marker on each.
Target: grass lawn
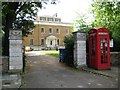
(53, 53)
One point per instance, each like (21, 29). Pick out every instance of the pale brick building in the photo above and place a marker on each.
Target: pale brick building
(49, 32)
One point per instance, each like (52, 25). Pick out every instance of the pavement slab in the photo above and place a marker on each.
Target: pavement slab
(11, 81)
(112, 73)
(8, 80)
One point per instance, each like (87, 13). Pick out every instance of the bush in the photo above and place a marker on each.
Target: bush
(69, 46)
(116, 47)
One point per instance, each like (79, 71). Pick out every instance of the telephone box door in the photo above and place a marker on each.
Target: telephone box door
(104, 52)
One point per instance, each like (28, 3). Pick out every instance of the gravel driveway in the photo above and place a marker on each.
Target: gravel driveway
(44, 71)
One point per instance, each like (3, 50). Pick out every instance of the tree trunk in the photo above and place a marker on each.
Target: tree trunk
(10, 17)
(8, 26)
(6, 44)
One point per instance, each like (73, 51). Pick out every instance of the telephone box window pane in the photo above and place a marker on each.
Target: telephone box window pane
(101, 57)
(106, 48)
(105, 44)
(102, 61)
(106, 52)
(106, 59)
(101, 52)
(101, 44)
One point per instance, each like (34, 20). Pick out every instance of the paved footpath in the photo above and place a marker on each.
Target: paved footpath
(44, 71)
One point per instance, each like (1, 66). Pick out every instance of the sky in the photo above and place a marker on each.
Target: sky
(67, 10)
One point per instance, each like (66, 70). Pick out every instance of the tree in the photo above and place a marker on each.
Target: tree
(107, 14)
(69, 46)
(19, 15)
(1, 34)
(82, 25)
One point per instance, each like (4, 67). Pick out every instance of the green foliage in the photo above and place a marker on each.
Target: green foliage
(68, 40)
(69, 46)
(81, 23)
(26, 26)
(1, 34)
(18, 15)
(52, 53)
(21, 14)
(84, 26)
(107, 14)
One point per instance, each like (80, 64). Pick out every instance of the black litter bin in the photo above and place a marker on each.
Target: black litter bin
(62, 54)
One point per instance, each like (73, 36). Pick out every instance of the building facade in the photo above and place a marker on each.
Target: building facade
(49, 32)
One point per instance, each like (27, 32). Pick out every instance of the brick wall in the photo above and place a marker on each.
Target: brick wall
(37, 35)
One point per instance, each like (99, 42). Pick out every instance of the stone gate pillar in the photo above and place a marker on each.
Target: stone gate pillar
(79, 49)
(15, 51)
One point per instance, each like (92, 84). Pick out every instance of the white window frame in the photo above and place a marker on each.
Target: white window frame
(67, 31)
(44, 30)
(57, 20)
(41, 42)
(57, 41)
(51, 30)
(42, 19)
(58, 30)
(50, 19)
(30, 41)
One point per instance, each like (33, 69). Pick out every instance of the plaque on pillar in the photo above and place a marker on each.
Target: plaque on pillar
(79, 36)
(15, 34)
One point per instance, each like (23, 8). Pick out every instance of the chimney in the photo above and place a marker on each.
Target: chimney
(56, 14)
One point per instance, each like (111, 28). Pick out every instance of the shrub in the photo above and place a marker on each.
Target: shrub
(116, 47)
(69, 46)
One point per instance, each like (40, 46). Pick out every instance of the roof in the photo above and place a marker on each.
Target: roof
(99, 29)
(50, 36)
(79, 31)
(48, 16)
(53, 23)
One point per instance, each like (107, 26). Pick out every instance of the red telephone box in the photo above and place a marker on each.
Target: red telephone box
(99, 48)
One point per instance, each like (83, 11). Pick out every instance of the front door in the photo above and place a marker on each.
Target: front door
(51, 42)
